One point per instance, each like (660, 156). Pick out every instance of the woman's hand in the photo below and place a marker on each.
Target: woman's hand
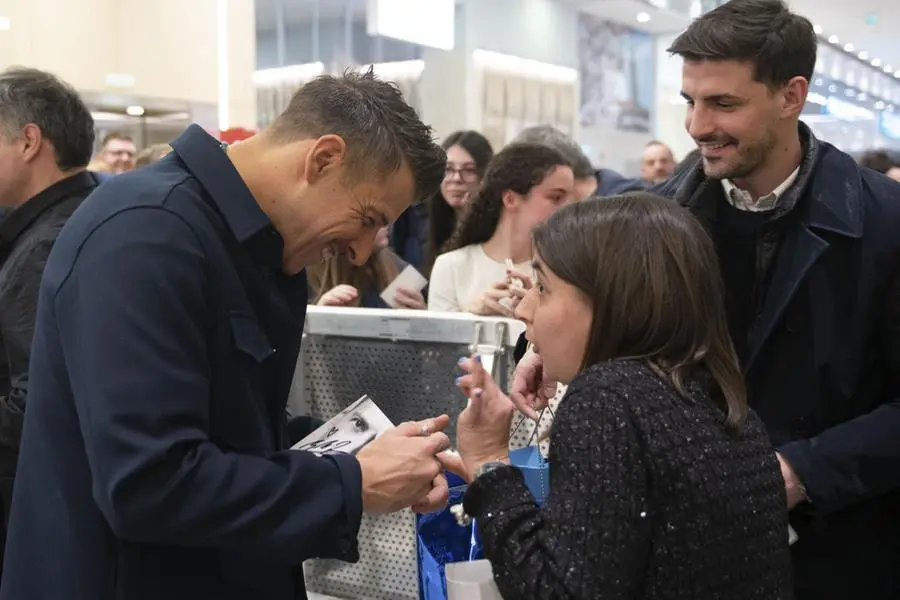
(409, 299)
(339, 295)
(519, 284)
(530, 391)
(488, 304)
(482, 430)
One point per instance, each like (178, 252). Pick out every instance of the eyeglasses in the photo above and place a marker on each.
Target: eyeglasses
(467, 174)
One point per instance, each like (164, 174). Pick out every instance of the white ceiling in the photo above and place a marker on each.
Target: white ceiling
(626, 12)
(848, 22)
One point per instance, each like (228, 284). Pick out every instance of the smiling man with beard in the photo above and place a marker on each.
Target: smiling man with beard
(809, 247)
(154, 461)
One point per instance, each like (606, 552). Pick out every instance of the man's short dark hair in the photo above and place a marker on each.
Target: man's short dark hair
(31, 96)
(552, 137)
(780, 44)
(381, 130)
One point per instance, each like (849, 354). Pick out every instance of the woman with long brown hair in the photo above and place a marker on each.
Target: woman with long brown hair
(663, 484)
(338, 282)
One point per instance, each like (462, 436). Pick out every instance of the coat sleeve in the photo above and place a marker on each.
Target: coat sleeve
(132, 320)
(591, 539)
(860, 459)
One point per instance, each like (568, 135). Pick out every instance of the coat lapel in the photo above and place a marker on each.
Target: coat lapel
(799, 251)
(830, 205)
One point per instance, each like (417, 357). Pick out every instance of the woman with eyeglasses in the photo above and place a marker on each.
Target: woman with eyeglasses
(421, 232)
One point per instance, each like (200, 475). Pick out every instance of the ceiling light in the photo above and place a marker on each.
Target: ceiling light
(833, 39)
(135, 111)
(888, 68)
(849, 47)
(879, 105)
(642, 17)
(817, 29)
(876, 62)
(897, 73)
(863, 56)
(5, 23)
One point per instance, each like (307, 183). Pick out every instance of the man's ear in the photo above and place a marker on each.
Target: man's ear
(795, 92)
(31, 140)
(326, 155)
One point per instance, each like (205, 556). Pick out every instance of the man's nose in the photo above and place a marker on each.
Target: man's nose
(698, 123)
(360, 249)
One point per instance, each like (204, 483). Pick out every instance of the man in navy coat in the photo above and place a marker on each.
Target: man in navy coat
(169, 322)
(809, 250)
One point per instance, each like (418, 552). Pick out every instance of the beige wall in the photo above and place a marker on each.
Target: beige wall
(170, 47)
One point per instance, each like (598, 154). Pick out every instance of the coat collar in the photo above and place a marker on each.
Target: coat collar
(826, 195)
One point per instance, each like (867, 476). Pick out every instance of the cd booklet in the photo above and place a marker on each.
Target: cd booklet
(349, 431)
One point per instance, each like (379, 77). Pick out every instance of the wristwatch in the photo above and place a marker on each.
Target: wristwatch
(488, 467)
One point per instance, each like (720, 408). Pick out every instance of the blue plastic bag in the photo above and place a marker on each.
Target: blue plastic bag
(441, 540)
(535, 469)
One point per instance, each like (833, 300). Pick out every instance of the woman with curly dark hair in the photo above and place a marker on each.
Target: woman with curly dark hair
(524, 184)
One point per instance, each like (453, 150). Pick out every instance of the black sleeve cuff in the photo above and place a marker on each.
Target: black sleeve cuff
(496, 491)
(351, 477)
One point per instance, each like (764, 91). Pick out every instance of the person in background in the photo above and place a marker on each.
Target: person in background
(421, 232)
(150, 155)
(118, 152)
(46, 140)
(524, 184)
(338, 282)
(809, 252)
(468, 156)
(585, 177)
(657, 163)
(663, 485)
(154, 462)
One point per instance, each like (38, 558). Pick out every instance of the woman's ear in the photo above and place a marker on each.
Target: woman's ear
(510, 199)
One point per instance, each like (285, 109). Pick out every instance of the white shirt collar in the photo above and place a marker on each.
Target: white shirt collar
(742, 200)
